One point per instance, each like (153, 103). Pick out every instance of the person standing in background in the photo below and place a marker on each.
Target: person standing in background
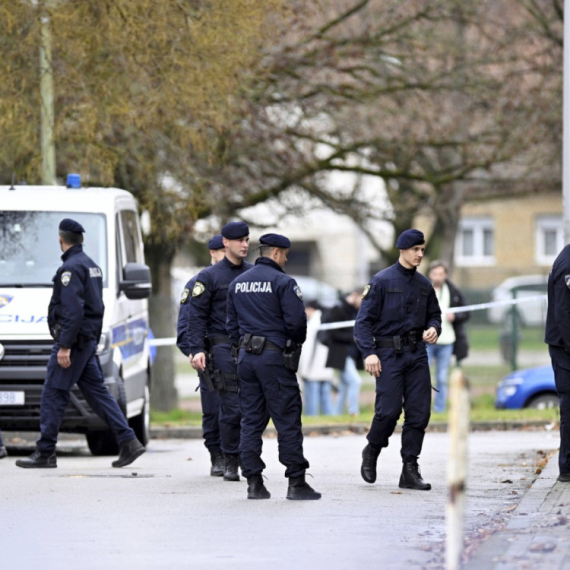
(343, 353)
(453, 339)
(317, 378)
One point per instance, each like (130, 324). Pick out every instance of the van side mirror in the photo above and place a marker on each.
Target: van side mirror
(136, 282)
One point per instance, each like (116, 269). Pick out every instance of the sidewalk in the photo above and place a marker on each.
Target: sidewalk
(538, 534)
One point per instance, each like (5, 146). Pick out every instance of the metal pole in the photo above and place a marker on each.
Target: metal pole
(566, 127)
(514, 332)
(47, 102)
(456, 468)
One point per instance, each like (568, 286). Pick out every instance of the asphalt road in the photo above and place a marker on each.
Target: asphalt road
(165, 511)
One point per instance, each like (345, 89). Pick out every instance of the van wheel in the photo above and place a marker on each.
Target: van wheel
(141, 423)
(546, 401)
(102, 442)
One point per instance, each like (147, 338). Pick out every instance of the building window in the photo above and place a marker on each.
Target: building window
(549, 238)
(475, 242)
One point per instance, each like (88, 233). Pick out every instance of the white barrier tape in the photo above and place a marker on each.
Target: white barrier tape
(346, 324)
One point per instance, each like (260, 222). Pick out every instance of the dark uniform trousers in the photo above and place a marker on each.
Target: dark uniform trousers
(230, 413)
(267, 389)
(210, 416)
(85, 370)
(561, 366)
(404, 380)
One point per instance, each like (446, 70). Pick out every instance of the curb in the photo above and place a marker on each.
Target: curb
(195, 432)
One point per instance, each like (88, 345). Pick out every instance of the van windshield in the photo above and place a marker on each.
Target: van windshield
(29, 246)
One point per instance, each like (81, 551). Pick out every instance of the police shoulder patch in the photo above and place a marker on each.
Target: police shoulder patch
(298, 292)
(366, 291)
(567, 279)
(65, 278)
(184, 296)
(199, 288)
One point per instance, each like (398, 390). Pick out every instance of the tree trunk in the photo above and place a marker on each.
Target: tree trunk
(164, 396)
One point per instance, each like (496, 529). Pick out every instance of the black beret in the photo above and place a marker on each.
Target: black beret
(275, 240)
(235, 230)
(69, 225)
(216, 242)
(409, 238)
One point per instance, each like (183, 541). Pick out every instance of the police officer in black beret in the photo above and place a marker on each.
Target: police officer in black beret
(208, 339)
(208, 397)
(266, 315)
(398, 315)
(75, 318)
(557, 336)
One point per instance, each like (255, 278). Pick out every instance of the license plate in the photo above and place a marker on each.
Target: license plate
(12, 398)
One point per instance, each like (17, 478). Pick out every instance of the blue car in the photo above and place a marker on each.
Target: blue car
(528, 388)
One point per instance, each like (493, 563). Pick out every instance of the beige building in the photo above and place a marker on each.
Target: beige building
(507, 237)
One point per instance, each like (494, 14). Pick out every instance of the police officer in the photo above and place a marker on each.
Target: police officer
(266, 315)
(75, 318)
(557, 336)
(209, 398)
(398, 315)
(207, 334)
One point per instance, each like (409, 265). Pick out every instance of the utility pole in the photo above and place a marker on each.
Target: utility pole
(46, 100)
(566, 126)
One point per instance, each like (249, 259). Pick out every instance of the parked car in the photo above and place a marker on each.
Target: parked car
(528, 388)
(531, 313)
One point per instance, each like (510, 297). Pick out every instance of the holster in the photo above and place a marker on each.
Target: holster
(55, 331)
(209, 372)
(398, 344)
(413, 341)
(292, 355)
(253, 343)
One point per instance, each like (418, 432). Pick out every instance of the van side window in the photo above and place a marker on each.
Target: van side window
(119, 265)
(131, 237)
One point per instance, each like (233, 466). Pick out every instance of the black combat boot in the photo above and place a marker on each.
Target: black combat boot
(128, 452)
(299, 490)
(411, 477)
(369, 460)
(256, 489)
(3, 452)
(563, 477)
(218, 464)
(231, 468)
(38, 461)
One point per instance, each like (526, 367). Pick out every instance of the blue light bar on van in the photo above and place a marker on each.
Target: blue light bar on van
(74, 180)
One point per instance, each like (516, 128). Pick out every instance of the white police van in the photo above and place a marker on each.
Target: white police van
(29, 257)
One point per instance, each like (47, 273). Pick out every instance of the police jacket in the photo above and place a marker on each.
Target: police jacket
(395, 302)
(207, 309)
(182, 341)
(76, 303)
(266, 301)
(557, 331)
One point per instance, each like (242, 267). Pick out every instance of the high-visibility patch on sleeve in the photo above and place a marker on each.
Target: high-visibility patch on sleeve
(65, 278)
(184, 296)
(199, 288)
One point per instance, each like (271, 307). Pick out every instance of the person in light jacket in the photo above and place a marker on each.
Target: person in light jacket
(316, 376)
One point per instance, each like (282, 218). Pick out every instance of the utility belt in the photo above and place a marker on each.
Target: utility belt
(396, 342)
(215, 340)
(256, 344)
(80, 341)
(216, 380)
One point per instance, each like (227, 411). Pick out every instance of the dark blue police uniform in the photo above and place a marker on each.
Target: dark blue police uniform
(77, 308)
(267, 302)
(397, 302)
(557, 336)
(207, 325)
(398, 305)
(209, 399)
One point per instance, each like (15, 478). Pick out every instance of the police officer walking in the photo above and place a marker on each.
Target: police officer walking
(209, 398)
(398, 315)
(208, 340)
(557, 336)
(266, 315)
(75, 318)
